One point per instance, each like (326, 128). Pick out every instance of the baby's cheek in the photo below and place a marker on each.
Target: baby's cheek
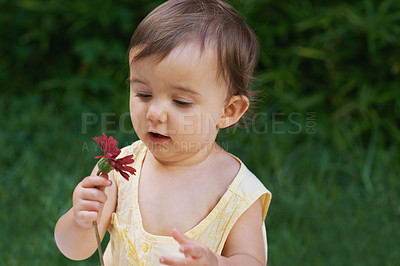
(189, 123)
(208, 123)
(136, 121)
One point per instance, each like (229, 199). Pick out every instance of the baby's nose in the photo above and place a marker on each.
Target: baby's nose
(157, 113)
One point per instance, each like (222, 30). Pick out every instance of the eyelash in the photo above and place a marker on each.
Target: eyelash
(177, 102)
(182, 104)
(142, 95)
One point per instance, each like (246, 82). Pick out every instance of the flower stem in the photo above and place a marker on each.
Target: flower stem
(96, 230)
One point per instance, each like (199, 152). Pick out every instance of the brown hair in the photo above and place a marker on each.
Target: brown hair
(207, 22)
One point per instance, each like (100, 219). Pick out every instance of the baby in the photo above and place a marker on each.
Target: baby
(190, 202)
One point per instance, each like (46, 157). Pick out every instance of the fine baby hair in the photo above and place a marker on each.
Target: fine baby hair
(209, 23)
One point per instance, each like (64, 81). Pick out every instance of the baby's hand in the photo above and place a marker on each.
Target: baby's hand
(195, 252)
(88, 200)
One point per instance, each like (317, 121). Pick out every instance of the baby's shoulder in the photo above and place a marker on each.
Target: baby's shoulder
(246, 181)
(229, 164)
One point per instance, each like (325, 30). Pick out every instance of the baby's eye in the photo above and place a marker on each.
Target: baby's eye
(182, 103)
(143, 96)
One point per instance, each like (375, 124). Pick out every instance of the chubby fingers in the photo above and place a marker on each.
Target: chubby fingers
(188, 246)
(89, 199)
(195, 251)
(173, 261)
(100, 181)
(92, 188)
(180, 238)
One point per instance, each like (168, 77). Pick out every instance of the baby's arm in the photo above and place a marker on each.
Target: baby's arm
(74, 233)
(245, 242)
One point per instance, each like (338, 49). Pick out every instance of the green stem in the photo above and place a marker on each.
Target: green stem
(96, 230)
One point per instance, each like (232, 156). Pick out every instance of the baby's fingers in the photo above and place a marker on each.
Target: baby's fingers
(96, 181)
(94, 194)
(195, 251)
(87, 211)
(181, 238)
(85, 218)
(90, 205)
(173, 261)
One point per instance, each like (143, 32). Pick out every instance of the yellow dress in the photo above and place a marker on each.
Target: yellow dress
(130, 244)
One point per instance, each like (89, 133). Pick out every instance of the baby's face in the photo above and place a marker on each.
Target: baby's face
(176, 104)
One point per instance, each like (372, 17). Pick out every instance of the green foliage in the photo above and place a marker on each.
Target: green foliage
(325, 140)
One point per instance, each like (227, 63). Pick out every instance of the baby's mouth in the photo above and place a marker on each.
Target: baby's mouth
(158, 137)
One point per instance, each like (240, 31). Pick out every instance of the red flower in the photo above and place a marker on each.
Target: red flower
(109, 160)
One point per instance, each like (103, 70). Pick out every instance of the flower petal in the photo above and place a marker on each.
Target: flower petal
(110, 150)
(108, 146)
(124, 175)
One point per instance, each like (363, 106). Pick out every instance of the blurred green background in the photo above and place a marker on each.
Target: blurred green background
(325, 140)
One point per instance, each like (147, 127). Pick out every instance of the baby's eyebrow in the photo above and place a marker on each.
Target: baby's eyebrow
(179, 88)
(187, 90)
(136, 81)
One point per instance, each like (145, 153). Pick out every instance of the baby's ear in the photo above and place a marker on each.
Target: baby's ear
(233, 111)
